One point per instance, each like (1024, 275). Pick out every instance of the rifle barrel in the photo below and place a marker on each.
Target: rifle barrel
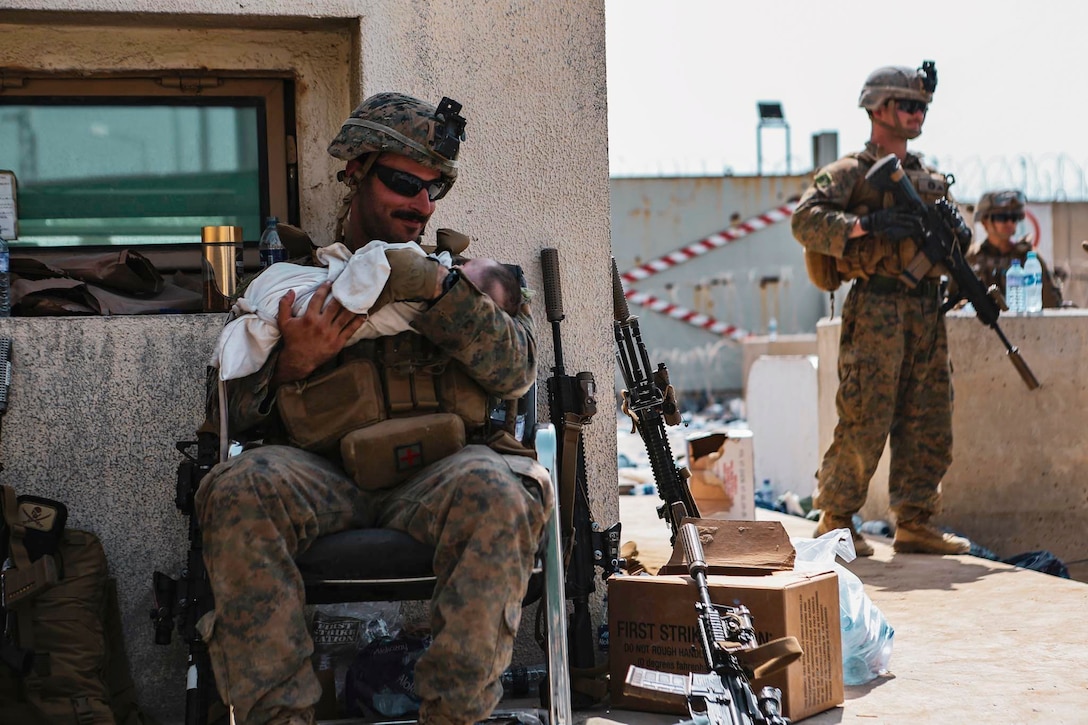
(553, 290)
(620, 310)
(1013, 353)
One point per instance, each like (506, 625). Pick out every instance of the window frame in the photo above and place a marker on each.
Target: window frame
(273, 92)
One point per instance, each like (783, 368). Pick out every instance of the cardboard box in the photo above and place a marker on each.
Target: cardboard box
(723, 475)
(743, 548)
(653, 623)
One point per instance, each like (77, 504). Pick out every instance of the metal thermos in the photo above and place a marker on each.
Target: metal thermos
(221, 248)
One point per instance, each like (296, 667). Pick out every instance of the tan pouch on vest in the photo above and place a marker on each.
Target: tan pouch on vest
(823, 271)
(390, 452)
(318, 412)
(458, 393)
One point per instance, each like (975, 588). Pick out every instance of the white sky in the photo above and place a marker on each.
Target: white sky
(1010, 108)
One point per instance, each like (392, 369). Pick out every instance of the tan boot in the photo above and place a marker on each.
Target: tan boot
(919, 537)
(830, 522)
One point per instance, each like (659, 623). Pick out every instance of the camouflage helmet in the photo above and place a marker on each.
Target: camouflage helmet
(993, 202)
(897, 81)
(399, 124)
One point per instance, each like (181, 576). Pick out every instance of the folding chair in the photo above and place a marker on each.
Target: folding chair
(366, 565)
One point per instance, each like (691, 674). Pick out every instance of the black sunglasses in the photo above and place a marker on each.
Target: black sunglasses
(1007, 217)
(405, 184)
(909, 105)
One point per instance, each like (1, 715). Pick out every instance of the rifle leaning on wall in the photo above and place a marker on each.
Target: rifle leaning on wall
(187, 598)
(651, 403)
(944, 230)
(572, 404)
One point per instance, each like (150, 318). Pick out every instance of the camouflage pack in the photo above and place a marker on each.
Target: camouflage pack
(64, 657)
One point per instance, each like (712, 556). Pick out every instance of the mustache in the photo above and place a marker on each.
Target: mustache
(410, 216)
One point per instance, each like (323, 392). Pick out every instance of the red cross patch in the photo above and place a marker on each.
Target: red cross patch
(409, 456)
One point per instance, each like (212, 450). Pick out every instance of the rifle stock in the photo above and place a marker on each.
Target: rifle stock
(651, 403)
(942, 228)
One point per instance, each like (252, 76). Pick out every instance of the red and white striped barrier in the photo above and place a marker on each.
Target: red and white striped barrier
(714, 241)
(677, 312)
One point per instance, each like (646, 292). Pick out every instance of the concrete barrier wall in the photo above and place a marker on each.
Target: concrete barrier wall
(1019, 476)
(96, 406)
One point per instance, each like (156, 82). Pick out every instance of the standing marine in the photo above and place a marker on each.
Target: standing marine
(1000, 212)
(894, 371)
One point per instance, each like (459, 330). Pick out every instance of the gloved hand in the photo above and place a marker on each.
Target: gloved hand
(893, 225)
(412, 277)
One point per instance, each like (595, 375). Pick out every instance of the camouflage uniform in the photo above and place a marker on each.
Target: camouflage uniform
(894, 372)
(990, 264)
(484, 513)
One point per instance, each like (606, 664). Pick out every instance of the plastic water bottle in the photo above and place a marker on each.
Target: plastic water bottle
(522, 681)
(878, 527)
(1014, 288)
(765, 495)
(5, 279)
(271, 249)
(772, 329)
(1033, 285)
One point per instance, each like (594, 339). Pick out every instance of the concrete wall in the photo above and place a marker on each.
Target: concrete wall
(98, 403)
(652, 217)
(1018, 479)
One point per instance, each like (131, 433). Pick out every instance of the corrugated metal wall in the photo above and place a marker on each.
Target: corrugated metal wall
(654, 216)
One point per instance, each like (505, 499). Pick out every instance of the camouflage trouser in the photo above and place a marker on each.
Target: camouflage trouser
(483, 512)
(894, 379)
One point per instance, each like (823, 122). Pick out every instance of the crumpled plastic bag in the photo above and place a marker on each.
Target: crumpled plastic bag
(381, 679)
(866, 635)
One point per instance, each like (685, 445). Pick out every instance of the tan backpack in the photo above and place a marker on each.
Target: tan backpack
(63, 651)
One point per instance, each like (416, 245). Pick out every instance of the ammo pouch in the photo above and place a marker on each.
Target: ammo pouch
(319, 411)
(394, 406)
(914, 264)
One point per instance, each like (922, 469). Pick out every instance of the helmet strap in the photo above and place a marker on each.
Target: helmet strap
(353, 182)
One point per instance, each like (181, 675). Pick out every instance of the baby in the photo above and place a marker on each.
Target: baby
(358, 280)
(495, 280)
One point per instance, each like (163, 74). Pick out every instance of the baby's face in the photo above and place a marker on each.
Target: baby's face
(475, 270)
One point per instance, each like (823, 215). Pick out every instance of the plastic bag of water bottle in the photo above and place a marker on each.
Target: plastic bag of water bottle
(866, 635)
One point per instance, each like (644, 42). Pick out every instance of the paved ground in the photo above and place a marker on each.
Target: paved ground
(976, 641)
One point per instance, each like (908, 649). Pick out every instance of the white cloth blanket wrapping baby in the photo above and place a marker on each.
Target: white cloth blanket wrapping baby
(357, 279)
